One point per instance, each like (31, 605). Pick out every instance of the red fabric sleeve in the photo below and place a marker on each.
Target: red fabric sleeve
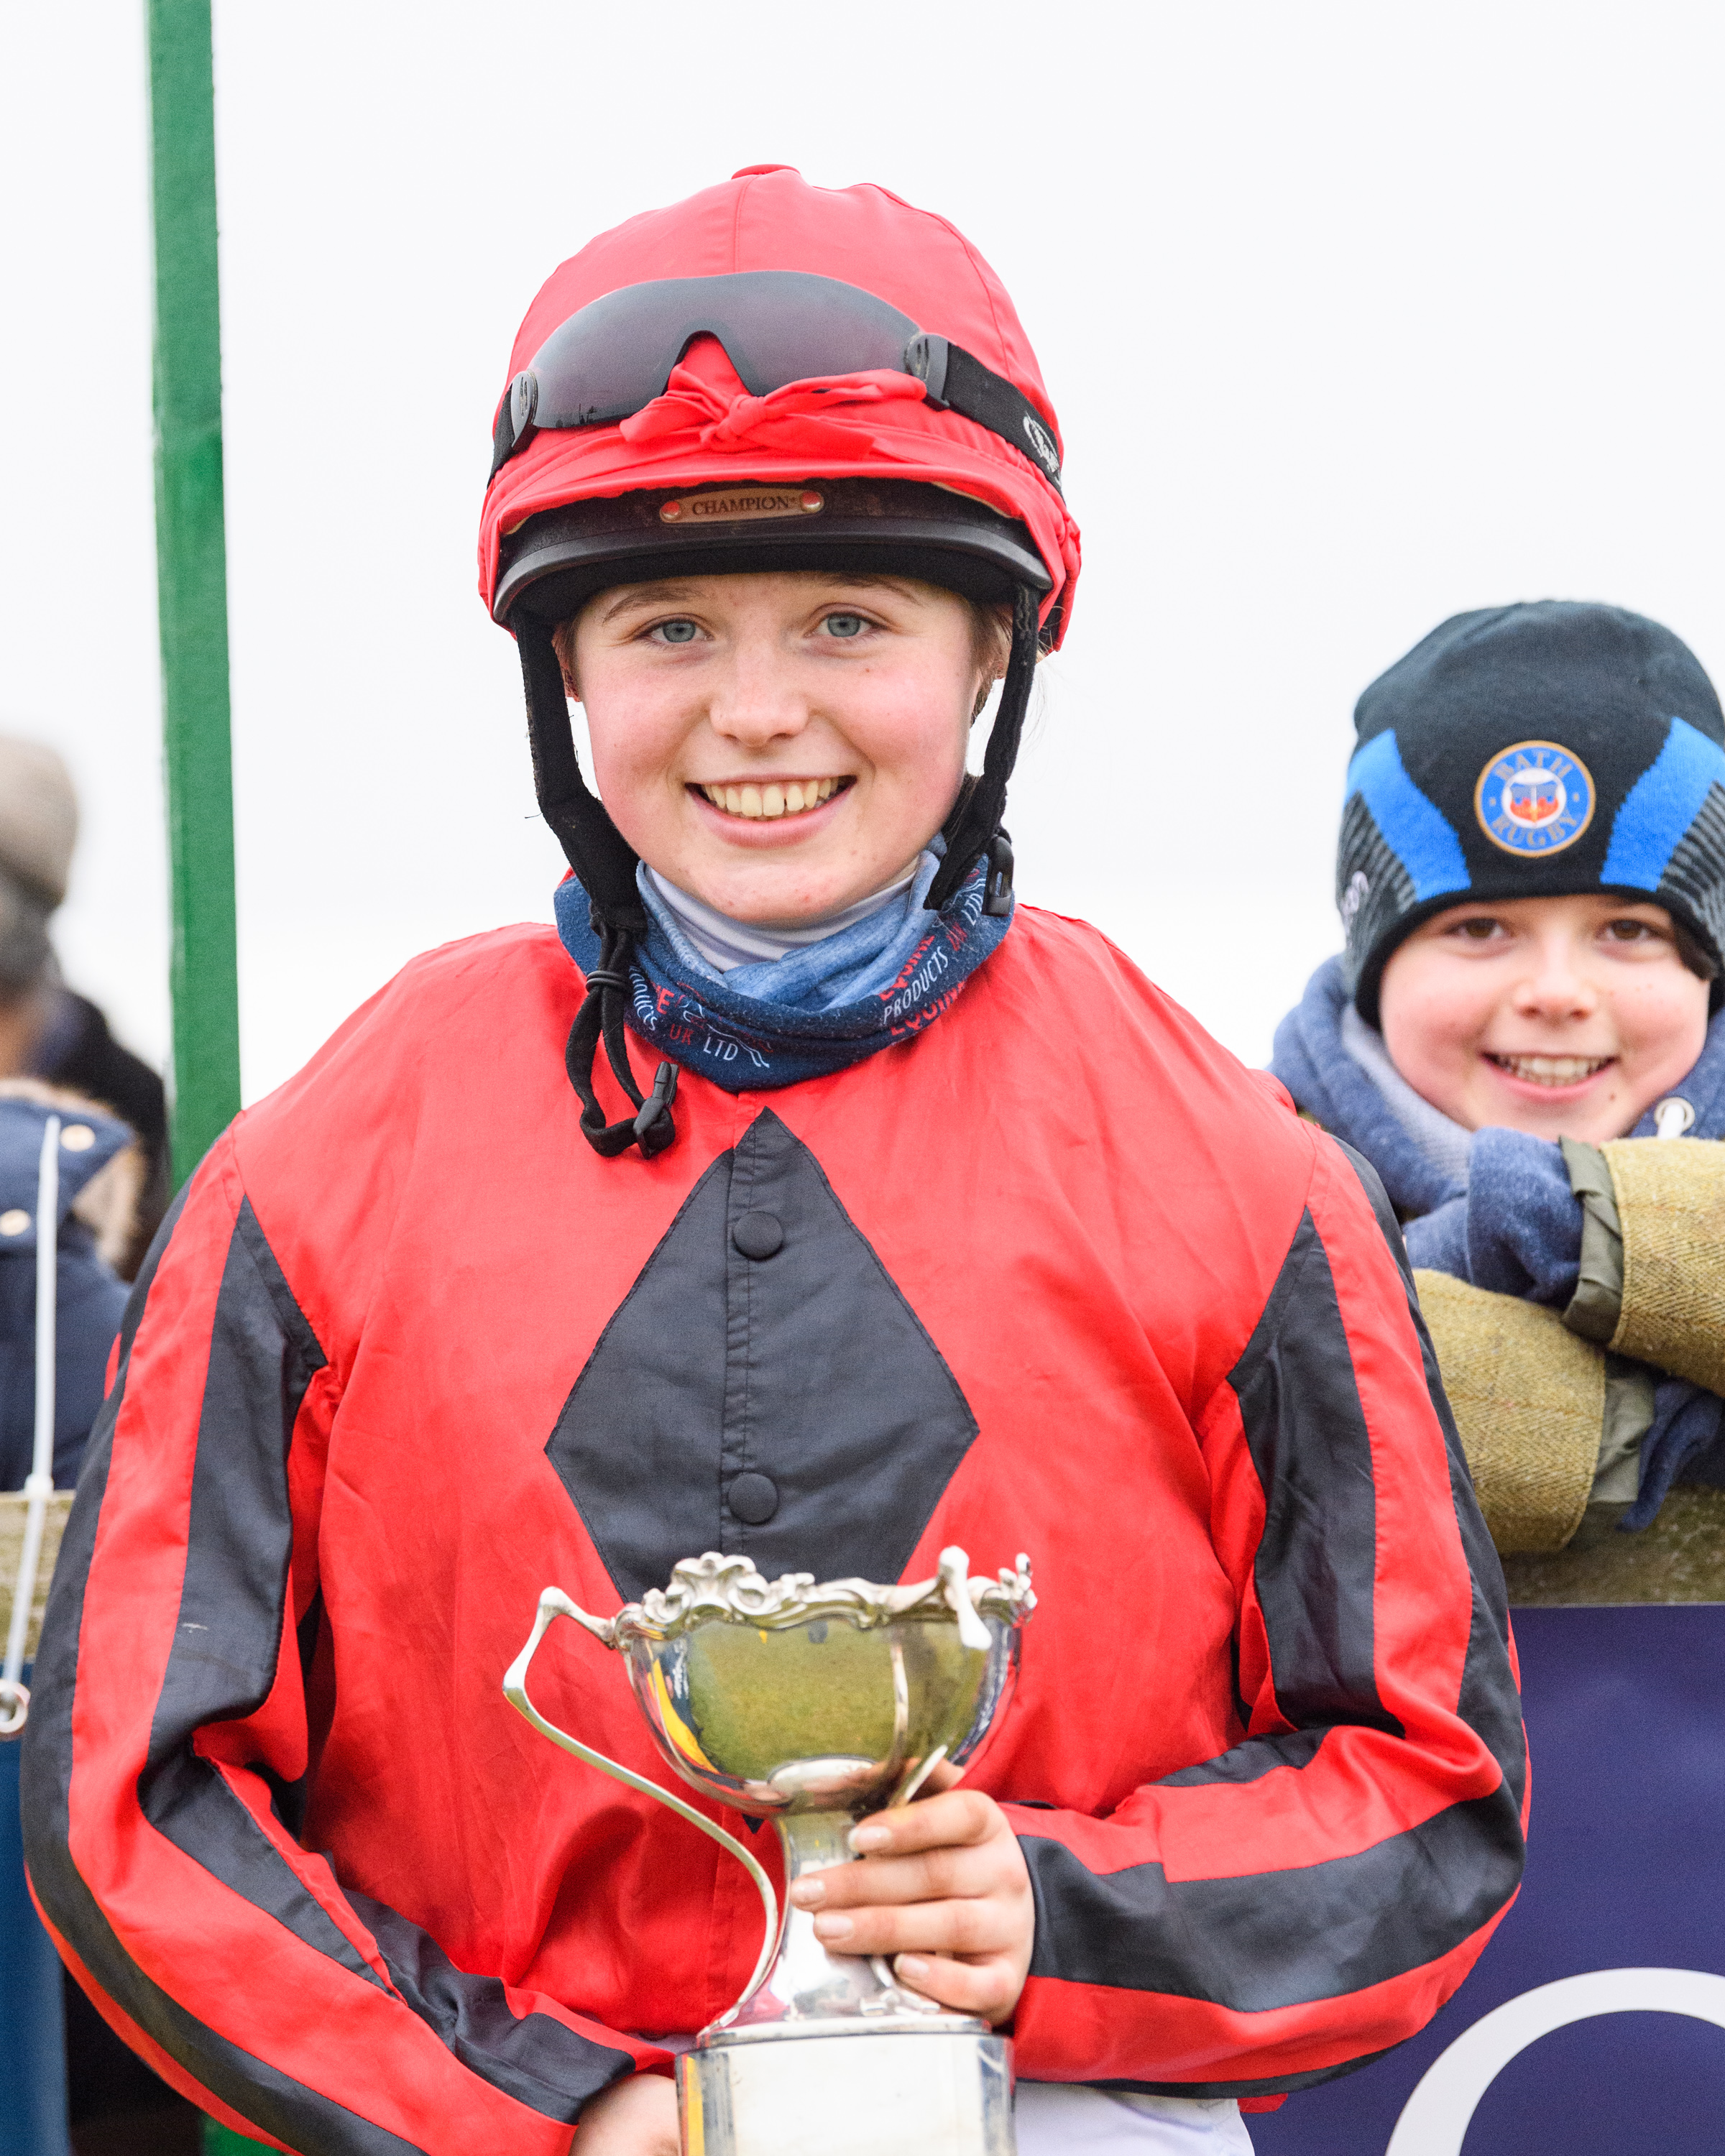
(169, 1727)
(1312, 1896)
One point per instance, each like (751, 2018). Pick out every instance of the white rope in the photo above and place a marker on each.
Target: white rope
(39, 1485)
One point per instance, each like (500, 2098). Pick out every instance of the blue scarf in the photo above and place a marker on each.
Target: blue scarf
(1332, 1089)
(817, 1009)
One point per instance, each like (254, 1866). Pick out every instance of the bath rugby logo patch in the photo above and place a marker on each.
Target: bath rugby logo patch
(1534, 799)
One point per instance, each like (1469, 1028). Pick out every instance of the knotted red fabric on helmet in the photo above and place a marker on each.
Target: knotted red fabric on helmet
(803, 418)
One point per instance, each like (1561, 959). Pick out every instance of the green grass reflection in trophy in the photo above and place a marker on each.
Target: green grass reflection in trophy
(809, 1704)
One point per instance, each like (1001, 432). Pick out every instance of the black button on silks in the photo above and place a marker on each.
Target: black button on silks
(759, 1235)
(754, 1498)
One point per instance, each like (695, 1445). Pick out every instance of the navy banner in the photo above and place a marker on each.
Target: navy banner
(1594, 2024)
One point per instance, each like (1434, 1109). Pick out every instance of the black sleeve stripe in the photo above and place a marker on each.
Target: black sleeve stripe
(1314, 1569)
(263, 1355)
(1487, 1701)
(295, 2114)
(221, 1665)
(189, 1804)
(472, 2016)
(1316, 1932)
(1252, 1761)
(228, 1637)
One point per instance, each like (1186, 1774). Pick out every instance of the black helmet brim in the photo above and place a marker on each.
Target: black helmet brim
(553, 563)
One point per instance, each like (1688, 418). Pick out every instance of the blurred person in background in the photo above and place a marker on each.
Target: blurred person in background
(57, 1055)
(47, 1031)
(101, 1175)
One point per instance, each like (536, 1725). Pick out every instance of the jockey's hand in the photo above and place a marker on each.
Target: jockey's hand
(633, 2117)
(941, 1889)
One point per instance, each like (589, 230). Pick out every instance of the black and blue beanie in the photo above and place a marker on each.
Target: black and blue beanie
(1532, 752)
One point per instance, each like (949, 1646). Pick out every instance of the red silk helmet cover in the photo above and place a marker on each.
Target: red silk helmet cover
(707, 429)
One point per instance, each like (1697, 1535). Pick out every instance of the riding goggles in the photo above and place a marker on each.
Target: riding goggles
(612, 357)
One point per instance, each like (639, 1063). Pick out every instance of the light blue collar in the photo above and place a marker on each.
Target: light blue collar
(856, 958)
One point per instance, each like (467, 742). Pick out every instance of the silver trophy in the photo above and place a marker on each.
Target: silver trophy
(810, 1705)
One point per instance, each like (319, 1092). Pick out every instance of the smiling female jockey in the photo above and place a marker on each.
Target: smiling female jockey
(892, 1216)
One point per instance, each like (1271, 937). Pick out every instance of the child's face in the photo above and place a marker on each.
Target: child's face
(1561, 1016)
(782, 745)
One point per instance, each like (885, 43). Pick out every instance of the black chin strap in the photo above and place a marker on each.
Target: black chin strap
(973, 828)
(593, 846)
(600, 1017)
(605, 863)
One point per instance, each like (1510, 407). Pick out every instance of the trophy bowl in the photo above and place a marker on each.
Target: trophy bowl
(811, 1704)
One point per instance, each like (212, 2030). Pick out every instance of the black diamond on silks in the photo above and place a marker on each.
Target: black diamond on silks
(802, 1376)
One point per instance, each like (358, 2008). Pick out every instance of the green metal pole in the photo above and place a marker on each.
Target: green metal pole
(191, 578)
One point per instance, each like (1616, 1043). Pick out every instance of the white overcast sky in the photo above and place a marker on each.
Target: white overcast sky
(1355, 315)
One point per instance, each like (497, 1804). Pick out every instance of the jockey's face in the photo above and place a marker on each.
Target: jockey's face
(778, 745)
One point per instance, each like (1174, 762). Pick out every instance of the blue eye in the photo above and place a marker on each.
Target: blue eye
(844, 624)
(676, 632)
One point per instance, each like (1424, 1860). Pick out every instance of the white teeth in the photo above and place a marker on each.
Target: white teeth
(1551, 1069)
(773, 800)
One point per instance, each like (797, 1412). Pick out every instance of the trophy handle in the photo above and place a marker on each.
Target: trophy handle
(954, 1578)
(554, 1603)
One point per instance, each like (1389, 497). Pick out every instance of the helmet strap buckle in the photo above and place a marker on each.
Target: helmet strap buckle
(653, 1127)
(997, 902)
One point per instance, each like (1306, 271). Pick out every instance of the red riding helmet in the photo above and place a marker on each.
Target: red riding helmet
(771, 376)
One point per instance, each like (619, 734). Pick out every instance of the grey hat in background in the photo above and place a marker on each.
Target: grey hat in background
(39, 817)
(38, 829)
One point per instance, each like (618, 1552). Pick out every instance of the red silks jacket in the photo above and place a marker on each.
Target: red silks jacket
(1055, 1275)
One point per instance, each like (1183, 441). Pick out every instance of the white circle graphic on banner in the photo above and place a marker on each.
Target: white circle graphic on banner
(1436, 2118)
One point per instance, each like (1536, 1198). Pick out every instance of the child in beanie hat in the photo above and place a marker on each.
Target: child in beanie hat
(1531, 751)
(1531, 876)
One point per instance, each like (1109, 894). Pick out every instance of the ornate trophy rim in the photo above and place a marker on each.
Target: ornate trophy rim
(729, 1590)
(823, 1992)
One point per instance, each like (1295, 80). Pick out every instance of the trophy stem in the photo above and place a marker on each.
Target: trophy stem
(814, 1841)
(807, 1988)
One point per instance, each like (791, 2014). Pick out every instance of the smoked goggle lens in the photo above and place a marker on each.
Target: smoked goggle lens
(614, 356)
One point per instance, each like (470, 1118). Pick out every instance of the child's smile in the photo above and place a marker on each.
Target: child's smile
(1552, 1073)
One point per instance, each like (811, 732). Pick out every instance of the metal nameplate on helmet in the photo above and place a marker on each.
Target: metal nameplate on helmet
(737, 503)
